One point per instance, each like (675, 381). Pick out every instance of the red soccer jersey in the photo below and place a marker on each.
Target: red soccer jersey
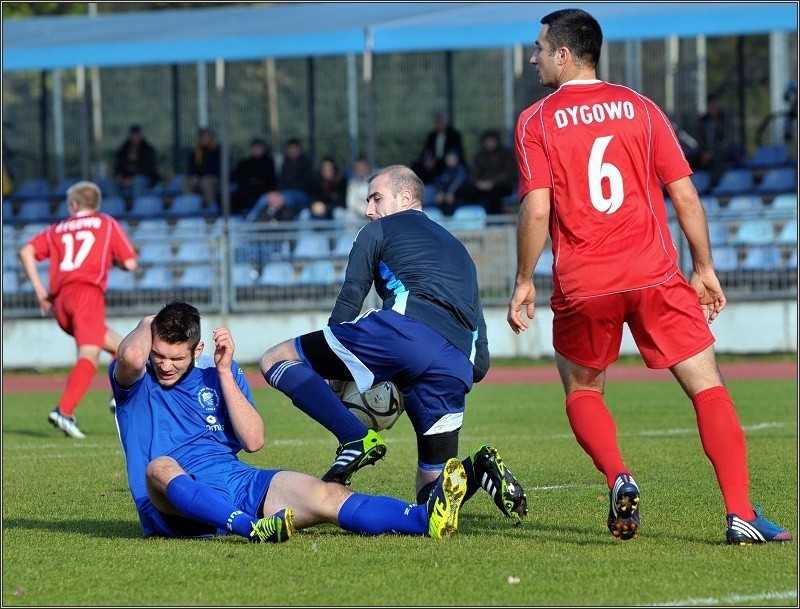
(81, 249)
(605, 151)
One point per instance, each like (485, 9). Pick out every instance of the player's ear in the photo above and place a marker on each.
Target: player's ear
(198, 350)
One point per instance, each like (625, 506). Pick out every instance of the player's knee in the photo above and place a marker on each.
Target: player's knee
(162, 469)
(280, 352)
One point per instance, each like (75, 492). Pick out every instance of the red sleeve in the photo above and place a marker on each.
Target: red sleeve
(121, 247)
(532, 160)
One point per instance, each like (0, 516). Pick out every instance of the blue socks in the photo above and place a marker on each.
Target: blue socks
(373, 515)
(311, 394)
(198, 501)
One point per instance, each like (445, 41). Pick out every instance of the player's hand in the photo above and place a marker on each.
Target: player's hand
(524, 296)
(45, 305)
(709, 292)
(223, 348)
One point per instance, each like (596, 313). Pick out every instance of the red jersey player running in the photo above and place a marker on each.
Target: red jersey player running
(81, 250)
(592, 157)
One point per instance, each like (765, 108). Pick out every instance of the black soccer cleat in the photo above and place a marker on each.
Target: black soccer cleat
(352, 456)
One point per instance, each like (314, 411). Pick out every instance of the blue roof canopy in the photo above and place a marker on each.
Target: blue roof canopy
(315, 29)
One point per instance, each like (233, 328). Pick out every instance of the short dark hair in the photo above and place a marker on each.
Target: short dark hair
(178, 322)
(577, 30)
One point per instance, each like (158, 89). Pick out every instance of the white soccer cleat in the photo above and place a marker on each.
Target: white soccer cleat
(69, 425)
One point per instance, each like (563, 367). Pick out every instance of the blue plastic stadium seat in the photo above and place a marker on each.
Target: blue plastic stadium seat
(175, 186)
(33, 188)
(34, 210)
(734, 182)
(311, 246)
(60, 189)
(343, 245)
(702, 181)
(745, 205)
(277, 274)
(8, 211)
(544, 266)
(718, 232)
(10, 281)
(762, 258)
(710, 204)
(114, 206)
(197, 276)
(10, 257)
(783, 205)
(243, 275)
(9, 235)
(754, 232)
(120, 280)
(769, 155)
(195, 227)
(186, 204)
(778, 180)
(296, 199)
(318, 272)
(791, 264)
(29, 230)
(468, 217)
(434, 213)
(193, 251)
(150, 229)
(788, 233)
(147, 206)
(156, 278)
(725, 258)
(155, 252)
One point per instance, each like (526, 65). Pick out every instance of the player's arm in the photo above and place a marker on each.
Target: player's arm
(27, 256)
(133, 353)
(532, 230)
(245, 419)
(355, 287)
(693, 223)
(482, 360)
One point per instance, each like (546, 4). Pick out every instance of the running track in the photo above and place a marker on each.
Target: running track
(23, 383)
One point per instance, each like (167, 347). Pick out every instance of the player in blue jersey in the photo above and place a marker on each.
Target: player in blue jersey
(182, 419)
(429, 338)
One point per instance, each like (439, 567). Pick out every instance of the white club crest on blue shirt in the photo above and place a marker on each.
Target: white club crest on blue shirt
(208, 398)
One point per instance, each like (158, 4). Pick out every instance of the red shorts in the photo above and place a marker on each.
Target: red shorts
(666, 321)
(80, 310)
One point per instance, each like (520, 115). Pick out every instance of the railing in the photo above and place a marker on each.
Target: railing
(237, 267)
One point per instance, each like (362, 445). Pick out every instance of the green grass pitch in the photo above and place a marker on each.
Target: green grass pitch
(71, 535)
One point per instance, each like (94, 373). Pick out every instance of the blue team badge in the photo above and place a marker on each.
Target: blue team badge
(208, 398)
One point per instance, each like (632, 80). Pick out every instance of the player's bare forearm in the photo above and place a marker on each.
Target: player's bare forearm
(133, 352)
(245, 419)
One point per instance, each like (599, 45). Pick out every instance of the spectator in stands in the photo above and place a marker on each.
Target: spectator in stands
(254, 175)
(718, 147)
(358, 188)
(450, 182)
(272, 209)
(296, 171)
(135, 165)
(442, 138)
(493, 175)
(330, 187)
(204, 170)
(318, 210)
(81, 250)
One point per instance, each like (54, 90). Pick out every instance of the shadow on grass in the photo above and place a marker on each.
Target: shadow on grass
(44, 433)
(108, 529)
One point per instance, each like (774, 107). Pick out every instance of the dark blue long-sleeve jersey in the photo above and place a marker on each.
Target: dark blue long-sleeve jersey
(422, 271)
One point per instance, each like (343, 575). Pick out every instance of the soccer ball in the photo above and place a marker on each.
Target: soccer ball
(378, 408)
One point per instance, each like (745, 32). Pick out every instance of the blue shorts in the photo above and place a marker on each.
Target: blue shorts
(433, 375)
(242, 484)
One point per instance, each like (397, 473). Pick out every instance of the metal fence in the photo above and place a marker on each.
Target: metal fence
(323, 101)
(238, 268)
